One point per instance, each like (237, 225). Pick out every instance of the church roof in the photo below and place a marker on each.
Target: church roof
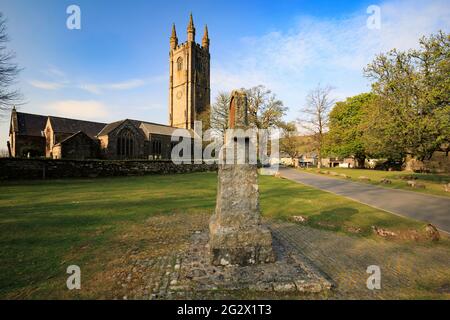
(155, 128)
(146, 127)
(72, 136)
(66, 125)
(30, 124)
(34, 125)
(113, 125)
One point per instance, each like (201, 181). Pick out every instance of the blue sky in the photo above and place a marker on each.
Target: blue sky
(116, 66)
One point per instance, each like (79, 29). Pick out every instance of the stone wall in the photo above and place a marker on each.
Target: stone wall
(78, 147)
(24, 145)
(439, 163)
(17, 169)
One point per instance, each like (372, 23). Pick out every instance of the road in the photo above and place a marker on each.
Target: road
(423, 207)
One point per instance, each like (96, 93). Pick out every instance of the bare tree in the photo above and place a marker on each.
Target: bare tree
(315, 116)
(265, 109)
(290, 141)
(219, 112)
(8, 71)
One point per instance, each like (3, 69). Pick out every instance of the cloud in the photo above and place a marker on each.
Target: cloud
(126, 85)
(55, 72)
(89, 87)
(330, 51)
(46, 85)
(85, 109)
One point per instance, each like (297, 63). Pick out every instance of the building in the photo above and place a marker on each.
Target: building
(33, 135)
(189, 90)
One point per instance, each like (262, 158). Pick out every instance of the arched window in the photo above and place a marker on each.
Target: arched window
(125, 144)
(157, 149)
(179, 63)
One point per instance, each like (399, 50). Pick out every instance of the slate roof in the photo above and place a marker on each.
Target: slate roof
(30, 124)
(146, 127)
(65, 125)
(155, 128)
(34, 125)
(111, 126)
(72, 136)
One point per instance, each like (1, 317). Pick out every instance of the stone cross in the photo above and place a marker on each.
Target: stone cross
(237, 236)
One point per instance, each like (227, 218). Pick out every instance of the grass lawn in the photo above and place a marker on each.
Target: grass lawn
(47, 225)
(434, 183)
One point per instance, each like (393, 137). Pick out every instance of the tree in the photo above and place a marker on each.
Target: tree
(290, 140)
(412, 108)
(219, 112)
(345, 137)
(315, 116)
(8, 71)
(266, 111)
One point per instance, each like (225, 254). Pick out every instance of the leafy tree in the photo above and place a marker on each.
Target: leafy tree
(411, 113)
(290, 140)
(315, 117)
(265, 110)
(219, 112)
(8, 71)
(347, 126)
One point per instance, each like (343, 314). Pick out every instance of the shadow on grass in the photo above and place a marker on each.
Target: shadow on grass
(333, 219)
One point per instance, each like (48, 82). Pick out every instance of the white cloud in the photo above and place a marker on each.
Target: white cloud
(330, 51)
(126, 85)
(55, 72)
(85, 109)
(46, 85)
(90, 87)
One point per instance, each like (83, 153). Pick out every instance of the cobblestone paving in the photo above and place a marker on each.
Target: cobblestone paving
(288, 274)
(406, 269)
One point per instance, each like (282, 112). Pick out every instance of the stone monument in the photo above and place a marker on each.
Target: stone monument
(237, 236)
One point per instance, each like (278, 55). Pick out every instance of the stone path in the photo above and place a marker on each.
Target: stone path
(426, 208)
(408, 269)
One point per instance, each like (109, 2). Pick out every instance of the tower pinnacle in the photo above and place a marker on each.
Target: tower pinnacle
(173, 38)
(205, 40)
(191, 29)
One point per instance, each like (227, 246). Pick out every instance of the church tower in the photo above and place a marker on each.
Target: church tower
(189, 88)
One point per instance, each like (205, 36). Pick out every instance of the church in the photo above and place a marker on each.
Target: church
(32, 135)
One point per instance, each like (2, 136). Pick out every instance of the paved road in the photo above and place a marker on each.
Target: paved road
(427, 208)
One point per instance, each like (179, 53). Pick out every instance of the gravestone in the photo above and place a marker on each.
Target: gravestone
(237, 236)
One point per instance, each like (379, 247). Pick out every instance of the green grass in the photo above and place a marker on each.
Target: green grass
(44, 225)
(434, 183)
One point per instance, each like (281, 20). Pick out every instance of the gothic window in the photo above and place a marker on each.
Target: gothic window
(157, 149)
(179, 64)
(125, 143)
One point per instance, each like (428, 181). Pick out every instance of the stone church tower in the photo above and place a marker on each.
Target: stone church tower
(189, 90)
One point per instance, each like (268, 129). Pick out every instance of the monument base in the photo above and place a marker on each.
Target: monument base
(290, 276)
(240, 246)
(237, 236)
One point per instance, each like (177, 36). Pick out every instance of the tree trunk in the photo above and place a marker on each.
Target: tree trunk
(319, 160)
(360, 162)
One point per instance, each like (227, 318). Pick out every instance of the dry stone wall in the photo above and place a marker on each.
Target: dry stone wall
(19, 169)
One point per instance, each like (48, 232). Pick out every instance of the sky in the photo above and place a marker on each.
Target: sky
(116, 65)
